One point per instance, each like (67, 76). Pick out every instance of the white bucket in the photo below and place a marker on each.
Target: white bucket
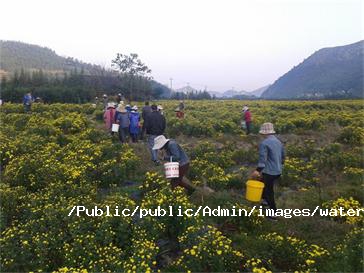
(171, 169)
(115, 127)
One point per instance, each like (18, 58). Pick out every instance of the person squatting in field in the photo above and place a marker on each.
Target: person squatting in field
(175, 153)
(271, 160)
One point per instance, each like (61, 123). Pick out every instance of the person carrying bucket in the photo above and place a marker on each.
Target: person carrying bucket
(109, 116)
(271, 160)
(174, 153)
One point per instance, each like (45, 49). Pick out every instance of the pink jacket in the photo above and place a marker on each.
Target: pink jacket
(109, 117)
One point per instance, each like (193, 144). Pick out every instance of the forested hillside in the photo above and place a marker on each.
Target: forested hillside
(16, 55)
(335, 72)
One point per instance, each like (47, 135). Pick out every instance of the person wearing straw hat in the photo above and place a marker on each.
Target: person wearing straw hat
(122, 118)
(247, 119)
(175, 153)
(271, 160)
(109, 116)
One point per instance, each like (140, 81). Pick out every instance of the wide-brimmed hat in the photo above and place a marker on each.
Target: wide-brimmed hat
(135, 108)
(110, 105)
(159, 142)
(267, 129)
(245, 108)
(160, 107)
(121, 108)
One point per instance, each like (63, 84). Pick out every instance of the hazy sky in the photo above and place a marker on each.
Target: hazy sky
(218, 44)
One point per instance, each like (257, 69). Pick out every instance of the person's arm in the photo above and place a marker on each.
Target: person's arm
(173, 153)
(283, 155)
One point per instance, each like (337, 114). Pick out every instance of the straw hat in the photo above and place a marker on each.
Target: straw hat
(135, 108)
(267, 129)
(110, 105)
(245, 108)
(159, 142)
(121, 108)
(159, 107)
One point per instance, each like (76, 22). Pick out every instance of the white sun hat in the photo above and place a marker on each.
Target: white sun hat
(135, 108)
(110, 105)
(159, 142)
(160, 107)
(245, 108)
(267, 129)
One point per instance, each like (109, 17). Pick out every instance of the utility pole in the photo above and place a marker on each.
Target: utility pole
(170, 79)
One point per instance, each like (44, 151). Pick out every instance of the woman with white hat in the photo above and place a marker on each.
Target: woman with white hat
(175, 153)
(271, 160)
(109, 116)
(247, 119)
(134, 123)
(160, 109)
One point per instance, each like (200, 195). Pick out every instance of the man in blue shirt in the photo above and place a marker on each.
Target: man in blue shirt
(27, 102)
(271, 159)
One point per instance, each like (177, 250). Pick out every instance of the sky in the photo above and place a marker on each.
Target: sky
(213, 44)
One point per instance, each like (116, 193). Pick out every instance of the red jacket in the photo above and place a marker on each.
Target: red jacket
(247, 116)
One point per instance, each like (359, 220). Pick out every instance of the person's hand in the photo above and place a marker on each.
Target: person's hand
(255, 174)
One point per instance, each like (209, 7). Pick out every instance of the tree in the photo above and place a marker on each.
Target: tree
(132, 68)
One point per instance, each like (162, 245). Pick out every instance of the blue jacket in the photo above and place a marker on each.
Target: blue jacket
(28, 100)
(175, 152)
(271, 156)
(134, 123)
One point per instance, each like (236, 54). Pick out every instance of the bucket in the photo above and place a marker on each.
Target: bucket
(115, 127)
(254, 190)
(171, 169)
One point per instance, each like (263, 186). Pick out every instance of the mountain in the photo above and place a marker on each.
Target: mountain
(258, 92)
(16, 55)
(335, 72)
(186, 89)
(232, 93)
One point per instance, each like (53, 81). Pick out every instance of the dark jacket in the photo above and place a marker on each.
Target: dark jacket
(175, 153)
(145, 111)
(155, 123)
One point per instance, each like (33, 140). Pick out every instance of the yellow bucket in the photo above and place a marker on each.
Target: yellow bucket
(254, 190)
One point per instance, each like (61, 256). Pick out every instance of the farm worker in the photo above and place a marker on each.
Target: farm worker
(271, 160)
(175, 153)
(181, 106)
(134, 123)
(27, 102)
(109, 116)
(160, 109)
(155, 124)
(119, 97)
(96, 101)
(105, 101)
(122, 118)
(247, 119)
(179, 110)
(145, 111)
(128, 108)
